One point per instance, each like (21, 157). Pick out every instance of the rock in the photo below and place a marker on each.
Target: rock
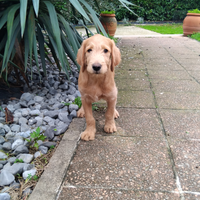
(38, 99)
(71, 97)
(25, 112)
(15, 128)
(52, 91)
(6, 128)
(11, 108)
(37, 154)
(34, 112)
(25, 134)
(7, 146)
(1, 166)
(23, 104)
(4, 196)
(28, 167)
(63, 116)
(73, 114)
(64, 86)
(24, 127)
(56, 84)
(43, 149)
(2, 132)
(32, 121)
(29, 173)
(27, 192)
(6, 178)
(39, 121)
(3, 162)
(48, 119)
(22, 120)
(52, 101)
(11, 160)
(73, 107)
(17, 114)
(27, 158)
(31, 103)
(26, 97)
(61, 129)
(16, 168)
(17, 143)
(49, 133)
(58, 106)
(21, 149)
(48, 144)
(52, 114)
(2, 140)
(3, 155)
(71, 90)
(17, 106)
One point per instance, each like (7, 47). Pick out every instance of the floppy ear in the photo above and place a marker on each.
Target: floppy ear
(81, 57)
(115, 56)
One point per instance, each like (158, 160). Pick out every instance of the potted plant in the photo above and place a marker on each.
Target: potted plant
(109, 22)
(191, 23)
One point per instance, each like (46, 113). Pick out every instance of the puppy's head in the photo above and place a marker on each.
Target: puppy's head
(98, 54)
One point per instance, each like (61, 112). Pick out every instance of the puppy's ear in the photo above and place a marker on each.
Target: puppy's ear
(115, 56)
(81, 57)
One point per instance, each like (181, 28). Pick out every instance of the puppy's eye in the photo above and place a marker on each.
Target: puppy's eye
(89, 50)
(105, 50)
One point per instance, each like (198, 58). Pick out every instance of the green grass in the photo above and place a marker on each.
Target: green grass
(196, 36)
(164, 28)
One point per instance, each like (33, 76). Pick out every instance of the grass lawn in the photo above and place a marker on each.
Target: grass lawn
(164, 28)
(196, 36)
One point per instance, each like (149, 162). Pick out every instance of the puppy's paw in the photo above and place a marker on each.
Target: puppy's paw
(116, 114)
(88, 135)
(80, 113)
(110, 128)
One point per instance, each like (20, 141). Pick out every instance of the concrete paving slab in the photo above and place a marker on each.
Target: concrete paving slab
(105, 193)
(133, 122)
(189, 85)
(181, 123)
(131, 73)
(178, 100)
(139, 99)
(164, 66)
(170, 74)
(186, 155)
(128, 162)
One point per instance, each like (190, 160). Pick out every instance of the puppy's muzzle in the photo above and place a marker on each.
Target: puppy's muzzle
(96, 67)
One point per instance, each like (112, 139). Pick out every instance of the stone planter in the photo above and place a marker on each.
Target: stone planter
(109, 23)
(191, 24)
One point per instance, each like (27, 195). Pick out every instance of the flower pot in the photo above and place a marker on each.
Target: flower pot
(191, 24)
(109, 23)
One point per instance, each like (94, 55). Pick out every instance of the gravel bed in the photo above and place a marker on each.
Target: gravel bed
(47, 104)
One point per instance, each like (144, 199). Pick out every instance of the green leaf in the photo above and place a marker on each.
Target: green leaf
(26, 48)
(124, 2)
(36, 4)
(38, 130)
(95, 19)
(4, 17)
(23, 9)
(36, 145)
(80, 9)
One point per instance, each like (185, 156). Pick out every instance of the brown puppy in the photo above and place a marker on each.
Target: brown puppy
(97, 57)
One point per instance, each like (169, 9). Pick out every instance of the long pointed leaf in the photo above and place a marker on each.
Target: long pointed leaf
(10, 19)
(80, 9)
(36, 4)
(69, 33)
(56, 30)
(124, 2)
(26, 48)
(4, 17)
(41, 48)
(23, 9)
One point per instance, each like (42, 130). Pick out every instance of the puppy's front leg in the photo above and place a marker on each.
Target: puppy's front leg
(111, 113)
(89, 133)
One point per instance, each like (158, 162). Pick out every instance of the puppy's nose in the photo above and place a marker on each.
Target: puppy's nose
(96, 67)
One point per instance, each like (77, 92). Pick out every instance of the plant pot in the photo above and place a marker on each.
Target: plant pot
(191, 24)
(109, 23)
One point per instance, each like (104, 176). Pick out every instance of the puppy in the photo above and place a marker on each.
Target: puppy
(97, 57)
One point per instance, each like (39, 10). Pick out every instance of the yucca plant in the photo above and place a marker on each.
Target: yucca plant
(29, 28)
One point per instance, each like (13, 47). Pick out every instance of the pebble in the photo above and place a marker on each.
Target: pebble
(4, 196)
(6, 178)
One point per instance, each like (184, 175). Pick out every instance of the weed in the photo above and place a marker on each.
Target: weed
(94, 106)
(1, 109)
(52, 147)
(35, 136)
(19, 161)
(78, 101)
(195, 36)
(35, 178)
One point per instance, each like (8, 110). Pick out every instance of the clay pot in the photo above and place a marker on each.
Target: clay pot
(191, 24)
(109, 23)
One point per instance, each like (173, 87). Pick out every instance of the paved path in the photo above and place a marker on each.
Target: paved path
(155, 153)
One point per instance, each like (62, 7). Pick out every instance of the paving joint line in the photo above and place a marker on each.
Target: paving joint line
(178, 184)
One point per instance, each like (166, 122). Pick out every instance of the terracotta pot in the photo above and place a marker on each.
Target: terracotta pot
(191, 23)
(109, 23)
